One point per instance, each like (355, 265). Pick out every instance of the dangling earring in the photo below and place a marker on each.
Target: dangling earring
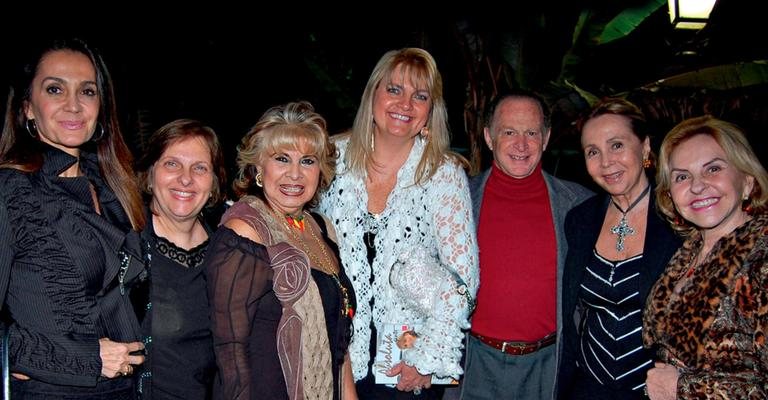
(746, 205)
(259, 179)
(647, 163)
(373, 143)
(424, 132)
(100, 136)
(31, 130)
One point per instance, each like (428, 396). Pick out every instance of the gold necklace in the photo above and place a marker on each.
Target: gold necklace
(326, 266)
(346, 305)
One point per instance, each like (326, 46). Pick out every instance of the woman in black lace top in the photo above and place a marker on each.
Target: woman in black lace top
(182, 171)
(69, 215)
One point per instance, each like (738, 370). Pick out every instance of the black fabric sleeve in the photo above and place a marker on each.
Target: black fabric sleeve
(238, 273)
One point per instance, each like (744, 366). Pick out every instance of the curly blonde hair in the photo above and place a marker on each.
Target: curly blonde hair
(285, 127)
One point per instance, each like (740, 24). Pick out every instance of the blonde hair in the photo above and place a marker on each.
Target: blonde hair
(418, 66)
(737, 150)
(285, 127)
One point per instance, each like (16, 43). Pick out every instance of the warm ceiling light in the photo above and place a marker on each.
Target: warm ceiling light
(690, 14)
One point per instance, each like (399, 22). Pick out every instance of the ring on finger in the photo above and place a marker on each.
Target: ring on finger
(417, 390)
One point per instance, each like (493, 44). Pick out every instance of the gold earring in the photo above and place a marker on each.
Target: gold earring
(647, 163)
(746, 205)
(259, 179)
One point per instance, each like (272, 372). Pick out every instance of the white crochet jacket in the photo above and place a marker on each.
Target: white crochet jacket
(428, 231)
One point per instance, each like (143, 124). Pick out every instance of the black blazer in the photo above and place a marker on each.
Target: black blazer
(65, 272)
(582, 228)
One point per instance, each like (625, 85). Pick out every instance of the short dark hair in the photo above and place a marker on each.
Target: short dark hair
(490, 111)
(174, 132)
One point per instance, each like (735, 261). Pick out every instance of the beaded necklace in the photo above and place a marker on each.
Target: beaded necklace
(296, 222)
(327, 266)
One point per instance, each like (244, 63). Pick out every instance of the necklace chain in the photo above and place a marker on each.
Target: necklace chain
(622, 229)
(327, 267)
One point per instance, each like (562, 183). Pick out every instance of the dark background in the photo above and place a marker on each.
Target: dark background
(226, 66)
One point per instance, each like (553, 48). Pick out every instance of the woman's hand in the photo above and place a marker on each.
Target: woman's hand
(410, 378)
(661, 382)
(116, 358)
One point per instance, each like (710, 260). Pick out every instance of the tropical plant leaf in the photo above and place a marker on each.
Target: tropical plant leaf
(590, 98)
(721, 77)
(626, 21)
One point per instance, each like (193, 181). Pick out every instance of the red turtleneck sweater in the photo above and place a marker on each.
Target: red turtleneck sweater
(518, 259)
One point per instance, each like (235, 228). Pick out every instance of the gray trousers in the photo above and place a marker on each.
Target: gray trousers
(490, 374)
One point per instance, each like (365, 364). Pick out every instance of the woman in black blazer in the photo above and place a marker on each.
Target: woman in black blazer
(69, 215)
(617, 248)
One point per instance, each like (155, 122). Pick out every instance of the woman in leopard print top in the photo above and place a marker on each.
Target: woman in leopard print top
(708, 314)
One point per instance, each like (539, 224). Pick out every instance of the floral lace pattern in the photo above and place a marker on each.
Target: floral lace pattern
(191, 258)
(432, 219)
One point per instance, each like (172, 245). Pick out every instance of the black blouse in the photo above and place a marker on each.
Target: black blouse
(246, 314)
(65, 272)
(177, 327)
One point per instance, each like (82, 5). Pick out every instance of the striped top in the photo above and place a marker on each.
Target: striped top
(611, 348)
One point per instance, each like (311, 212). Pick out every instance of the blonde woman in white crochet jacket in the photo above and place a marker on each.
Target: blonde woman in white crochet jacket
(401, 206)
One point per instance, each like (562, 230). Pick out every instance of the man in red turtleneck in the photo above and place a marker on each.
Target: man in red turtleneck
(519, 212)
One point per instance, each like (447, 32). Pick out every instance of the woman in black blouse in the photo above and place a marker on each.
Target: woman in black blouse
(282, 304)
(618, 246)
(182, 171)
(69, 215)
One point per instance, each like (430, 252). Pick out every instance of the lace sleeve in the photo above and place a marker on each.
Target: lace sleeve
(452, 292)
(453, 226)
(237, 271)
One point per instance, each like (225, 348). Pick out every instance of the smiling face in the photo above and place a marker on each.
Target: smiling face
(614, 155)
(706, 188)
(64, 100)
(182, 179)
(517, 136)
(399, 107)
(291, 178)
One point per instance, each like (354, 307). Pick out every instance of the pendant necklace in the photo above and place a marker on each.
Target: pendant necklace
(623, 229)
(325, 265)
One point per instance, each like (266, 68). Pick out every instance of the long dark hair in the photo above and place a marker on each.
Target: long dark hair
(20, 150)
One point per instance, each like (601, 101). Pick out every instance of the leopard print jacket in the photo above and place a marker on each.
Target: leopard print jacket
(714, 329)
